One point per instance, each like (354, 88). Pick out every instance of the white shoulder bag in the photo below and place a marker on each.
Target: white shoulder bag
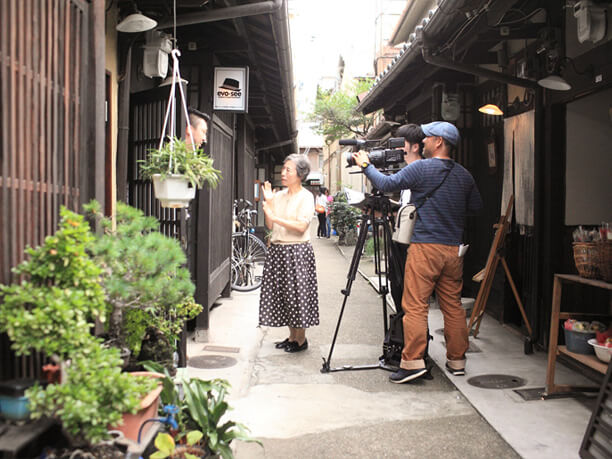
(407, 216)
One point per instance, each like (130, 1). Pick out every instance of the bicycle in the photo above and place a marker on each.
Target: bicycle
(248, 251)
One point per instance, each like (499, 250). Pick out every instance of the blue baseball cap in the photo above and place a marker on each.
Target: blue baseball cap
(442, 129)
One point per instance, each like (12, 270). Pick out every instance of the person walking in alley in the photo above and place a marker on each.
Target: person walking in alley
(289, 292)
(321, 209)
(446, 193)
(330, 201)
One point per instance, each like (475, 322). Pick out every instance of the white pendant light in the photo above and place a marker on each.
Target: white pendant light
(554, 82)
(136, 22)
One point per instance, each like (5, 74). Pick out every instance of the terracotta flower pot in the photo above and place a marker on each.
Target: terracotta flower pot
(149, 406)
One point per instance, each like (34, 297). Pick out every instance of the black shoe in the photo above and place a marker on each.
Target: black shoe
(402, 375)
(455, 372)
(282, 344)
(293, 346)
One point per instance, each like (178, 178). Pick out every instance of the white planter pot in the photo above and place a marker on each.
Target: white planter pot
(174, 191)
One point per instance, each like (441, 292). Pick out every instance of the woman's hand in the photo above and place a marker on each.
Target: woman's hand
(268, 194)
(268, 211)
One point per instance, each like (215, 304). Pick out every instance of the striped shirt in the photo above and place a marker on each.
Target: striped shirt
(441, 219)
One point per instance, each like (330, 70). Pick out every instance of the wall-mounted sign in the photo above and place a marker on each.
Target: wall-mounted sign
(231, 89)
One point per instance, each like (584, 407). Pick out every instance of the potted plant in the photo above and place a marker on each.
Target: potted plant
(202, 408)
(176, 170)
(148, 291)
(52, 310)
(344, 218)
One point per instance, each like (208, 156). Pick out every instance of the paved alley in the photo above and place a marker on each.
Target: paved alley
(298, 412)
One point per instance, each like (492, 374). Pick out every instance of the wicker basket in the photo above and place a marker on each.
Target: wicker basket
(586, 257)
(605, 260)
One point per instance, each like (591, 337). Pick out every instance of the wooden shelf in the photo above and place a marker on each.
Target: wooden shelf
(586, 359)
(554, 349)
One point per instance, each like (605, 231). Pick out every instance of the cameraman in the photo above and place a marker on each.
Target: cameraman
(433, 260)
(413, 151)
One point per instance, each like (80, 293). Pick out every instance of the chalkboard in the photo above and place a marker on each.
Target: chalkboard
(597, 441)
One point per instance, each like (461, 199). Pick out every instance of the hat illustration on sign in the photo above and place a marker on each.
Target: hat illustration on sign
(231, 84)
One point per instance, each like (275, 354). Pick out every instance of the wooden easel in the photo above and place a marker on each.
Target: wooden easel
(485, 277)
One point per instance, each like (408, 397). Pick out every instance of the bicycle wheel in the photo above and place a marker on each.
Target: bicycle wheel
(248, 258)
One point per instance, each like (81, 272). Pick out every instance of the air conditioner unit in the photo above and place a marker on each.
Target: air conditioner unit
(155, 63)
(156, 50)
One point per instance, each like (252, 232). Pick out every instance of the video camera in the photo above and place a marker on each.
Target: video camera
(381, 154)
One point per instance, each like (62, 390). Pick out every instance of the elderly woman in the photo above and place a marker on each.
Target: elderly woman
(289, 290)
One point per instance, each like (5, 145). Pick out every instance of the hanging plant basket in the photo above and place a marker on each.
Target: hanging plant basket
(173, 191)
(177, 167)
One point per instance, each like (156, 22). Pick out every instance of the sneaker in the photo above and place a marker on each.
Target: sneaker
(455, 372)
(402, 375)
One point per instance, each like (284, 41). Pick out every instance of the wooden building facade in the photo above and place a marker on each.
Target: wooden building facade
(77, 113)
(461, 56)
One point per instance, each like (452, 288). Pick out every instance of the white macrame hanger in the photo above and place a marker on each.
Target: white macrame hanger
(170, 110)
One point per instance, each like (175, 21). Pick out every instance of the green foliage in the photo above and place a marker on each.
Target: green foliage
(205, 405)
(143, 277)
(335, 112)
(177, 157)
(94, 397)
(52, 309)
(202, 409)
(344, 218)
(166, 447)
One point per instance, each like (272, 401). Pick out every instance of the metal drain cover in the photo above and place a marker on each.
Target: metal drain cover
(211, 361)
(496, 381)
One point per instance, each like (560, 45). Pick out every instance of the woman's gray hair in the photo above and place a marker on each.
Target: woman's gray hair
(302, 165)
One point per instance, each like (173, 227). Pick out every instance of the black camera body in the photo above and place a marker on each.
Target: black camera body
(380, 154)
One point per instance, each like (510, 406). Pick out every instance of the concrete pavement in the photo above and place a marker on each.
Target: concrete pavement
(299, 412)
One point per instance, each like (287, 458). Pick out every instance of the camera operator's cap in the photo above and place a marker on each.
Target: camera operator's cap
(442, 129)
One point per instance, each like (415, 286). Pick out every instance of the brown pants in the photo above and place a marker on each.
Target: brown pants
(429, 267)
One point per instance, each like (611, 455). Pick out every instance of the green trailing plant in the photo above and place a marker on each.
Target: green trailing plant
(53, 310)
(344, 218)
(143, 277)
(178, 157)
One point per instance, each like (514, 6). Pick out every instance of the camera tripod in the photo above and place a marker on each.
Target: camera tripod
(374, 203)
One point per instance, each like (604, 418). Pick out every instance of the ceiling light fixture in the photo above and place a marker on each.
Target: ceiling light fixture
(136, 22)
(491, 109)
(555, 82)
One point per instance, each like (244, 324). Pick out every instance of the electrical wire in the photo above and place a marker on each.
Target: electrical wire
(525, 17)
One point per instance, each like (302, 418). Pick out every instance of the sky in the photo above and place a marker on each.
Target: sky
(322, 31)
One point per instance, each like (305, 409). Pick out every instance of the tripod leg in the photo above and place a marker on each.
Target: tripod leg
(363, 233)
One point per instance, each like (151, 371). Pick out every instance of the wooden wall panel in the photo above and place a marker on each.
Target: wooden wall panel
(41, 48)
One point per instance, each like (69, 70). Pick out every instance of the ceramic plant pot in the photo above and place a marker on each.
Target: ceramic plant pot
(149, 406)
(174, 191)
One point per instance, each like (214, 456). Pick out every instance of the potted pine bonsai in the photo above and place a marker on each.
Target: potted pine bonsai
(177, 170)
(148, 290)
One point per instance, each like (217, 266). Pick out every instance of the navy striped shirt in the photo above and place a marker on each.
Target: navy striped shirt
(441, 219)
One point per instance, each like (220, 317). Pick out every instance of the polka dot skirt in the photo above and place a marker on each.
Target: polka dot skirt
(289, 295)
